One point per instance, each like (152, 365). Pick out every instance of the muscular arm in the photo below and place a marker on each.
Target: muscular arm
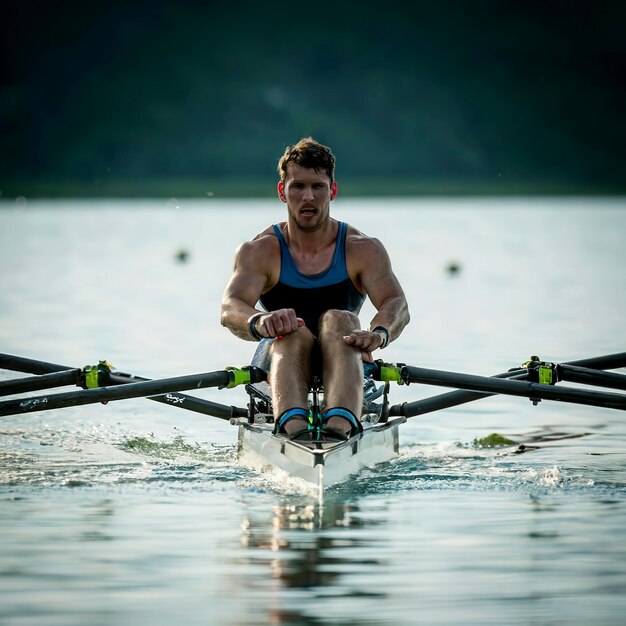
(252, 273)
(383, 289)
(244, 289)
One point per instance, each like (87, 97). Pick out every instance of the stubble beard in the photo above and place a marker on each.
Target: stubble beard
(309, 225)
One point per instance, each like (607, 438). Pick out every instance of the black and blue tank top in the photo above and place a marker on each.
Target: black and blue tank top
(311, 295)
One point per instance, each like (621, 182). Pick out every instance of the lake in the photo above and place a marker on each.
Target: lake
(138, 512)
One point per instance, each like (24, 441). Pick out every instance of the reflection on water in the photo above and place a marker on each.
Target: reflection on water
(308, 548)
(460, 557)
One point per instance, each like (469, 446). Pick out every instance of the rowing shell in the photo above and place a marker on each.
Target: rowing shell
(322, 464)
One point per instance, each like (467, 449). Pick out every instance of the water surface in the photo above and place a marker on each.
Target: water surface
(135, 511)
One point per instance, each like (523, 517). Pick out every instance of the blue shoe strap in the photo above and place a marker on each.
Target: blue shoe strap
(289, 413)
(345, 413)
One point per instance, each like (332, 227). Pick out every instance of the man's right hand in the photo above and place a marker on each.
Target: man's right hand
(279, 323)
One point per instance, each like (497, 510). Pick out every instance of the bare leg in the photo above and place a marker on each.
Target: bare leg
(290, 373)
(342, 366)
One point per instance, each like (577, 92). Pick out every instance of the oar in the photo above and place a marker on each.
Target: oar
(606, 362)
(449, 399)
(589, 376)
(455, 398)
(184, 401)
(220, 378)
(71, 376)
(44, 381)
(410, 374)
(29, 366)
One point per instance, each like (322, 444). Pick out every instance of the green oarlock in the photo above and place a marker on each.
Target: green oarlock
(238, 376)
(546, 375)
(390, 372)
(91, 377)
(542, 372)
(97, 375)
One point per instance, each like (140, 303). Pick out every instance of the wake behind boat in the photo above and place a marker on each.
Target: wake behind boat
(318, 458)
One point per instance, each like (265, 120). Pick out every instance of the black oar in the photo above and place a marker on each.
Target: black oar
(512, 387)
(64, 375)
(588, 376)
(29, 366)
(184, 401)
(44, 381)
(606, 362)
(455, 398)
(221, 378)
(449, 399)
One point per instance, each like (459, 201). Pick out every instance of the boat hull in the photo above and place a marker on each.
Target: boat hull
(321, 464)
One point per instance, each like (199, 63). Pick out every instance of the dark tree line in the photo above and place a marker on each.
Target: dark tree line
(161, 97)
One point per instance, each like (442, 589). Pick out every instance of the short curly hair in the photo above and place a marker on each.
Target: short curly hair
(308, 153)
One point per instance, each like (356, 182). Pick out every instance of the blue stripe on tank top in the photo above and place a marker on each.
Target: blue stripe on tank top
(289, 274)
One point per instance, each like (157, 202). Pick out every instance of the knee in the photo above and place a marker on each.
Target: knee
(300, 341)
(337, 321)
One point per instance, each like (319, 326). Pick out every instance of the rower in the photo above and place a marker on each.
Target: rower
(311, 275)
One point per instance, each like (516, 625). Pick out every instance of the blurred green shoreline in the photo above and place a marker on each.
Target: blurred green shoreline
(266, 188)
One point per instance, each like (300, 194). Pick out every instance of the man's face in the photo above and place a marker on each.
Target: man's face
(308, 195)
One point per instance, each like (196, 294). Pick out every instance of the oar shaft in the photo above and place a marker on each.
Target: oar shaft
(180, 400)
(606, 362)
(512, 387)
(449, 399)
(198, 405)
(455, 398)
(36, 383)
(29, 366)
(588, 376)
(121, 392)
(184, 401)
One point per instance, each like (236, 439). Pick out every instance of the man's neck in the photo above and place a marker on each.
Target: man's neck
(309, 242)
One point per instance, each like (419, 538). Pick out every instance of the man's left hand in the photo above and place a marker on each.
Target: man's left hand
(366, 341)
